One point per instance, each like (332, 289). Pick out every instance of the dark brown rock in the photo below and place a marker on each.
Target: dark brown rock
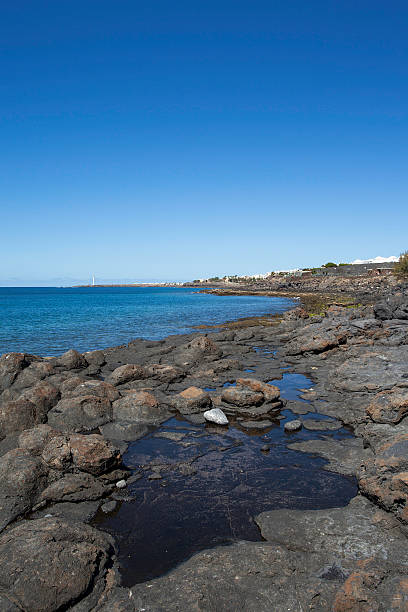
(10, 365)
(138, 406)
(74, 488)
(71, 360)
(22, 477)
(49, 564)
(126, 373)
(93, 454)
(164, 373)
(80, 413)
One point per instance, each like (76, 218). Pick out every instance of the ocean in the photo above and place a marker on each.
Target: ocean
(50, 320)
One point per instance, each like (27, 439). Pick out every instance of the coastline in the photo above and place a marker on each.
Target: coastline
(354, 356)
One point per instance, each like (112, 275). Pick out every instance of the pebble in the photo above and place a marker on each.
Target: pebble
(121, 484)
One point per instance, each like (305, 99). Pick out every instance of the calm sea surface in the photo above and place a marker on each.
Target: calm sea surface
(50, 320)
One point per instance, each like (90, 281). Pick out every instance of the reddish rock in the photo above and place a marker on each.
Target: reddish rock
(242, 396)
(389, 406)
(93, 454)
(56, 453)
(270, 392)
(358, 593)
(384, 478)
(191, 400)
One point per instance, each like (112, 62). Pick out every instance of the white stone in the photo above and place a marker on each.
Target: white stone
(121, 484)
(293, 425)
(215, 415)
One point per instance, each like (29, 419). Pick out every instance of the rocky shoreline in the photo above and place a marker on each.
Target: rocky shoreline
(66, 422)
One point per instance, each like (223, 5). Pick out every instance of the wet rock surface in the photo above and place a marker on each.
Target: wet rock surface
(66, 423)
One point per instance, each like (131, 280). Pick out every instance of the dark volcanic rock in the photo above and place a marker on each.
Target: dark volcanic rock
(164, 373)
(392, 308)
(97, 388)
(384, 477)
(199, 349)
(17, 415)
(127, 373)
(138, 407)
(71, 360)
(74, 488)
(84, 412)
(10, 365)
(22, 476)
(49, 564)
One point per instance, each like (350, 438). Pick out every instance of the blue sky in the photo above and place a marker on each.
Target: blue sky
(172, 140)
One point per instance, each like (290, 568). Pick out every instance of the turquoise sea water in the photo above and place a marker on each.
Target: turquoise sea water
(51, 320)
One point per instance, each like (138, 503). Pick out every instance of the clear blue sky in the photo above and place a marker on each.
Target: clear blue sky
(171, 140)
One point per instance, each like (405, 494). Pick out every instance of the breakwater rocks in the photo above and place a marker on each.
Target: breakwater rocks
(65, 424)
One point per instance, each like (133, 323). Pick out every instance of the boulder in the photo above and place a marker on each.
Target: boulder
(10, 365)
(22, 477)
(97, 388)
(191, 400)
(17, 415)
(164, 373)
(71, 360)
(93, 454)
(138, 406)
(56, 453)
(74, 488)
(95, 359)
(394, 307)
(80, 413)
(34, 440)
(50, 564)
(29, 376)
(242, 396)
(126, 373)
(43, 395)
(270, 392)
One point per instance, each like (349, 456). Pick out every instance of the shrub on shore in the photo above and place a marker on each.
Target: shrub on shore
(401, 267)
